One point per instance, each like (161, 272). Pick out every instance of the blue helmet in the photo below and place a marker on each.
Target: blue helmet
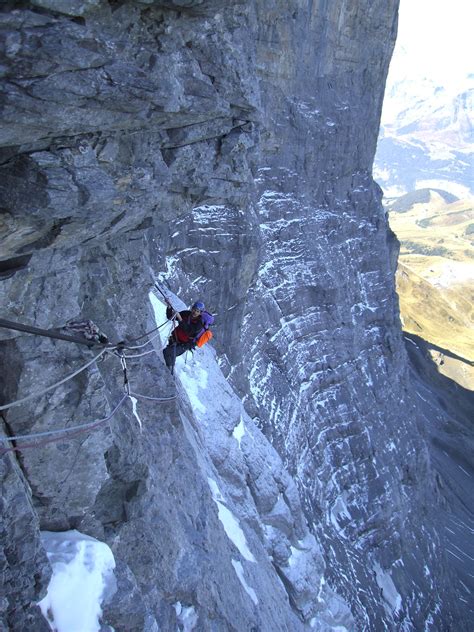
(199, 305)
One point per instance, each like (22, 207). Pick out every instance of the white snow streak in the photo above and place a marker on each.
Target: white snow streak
(240, 574)
(339, 511)
(134, 411)
(230, 523)
(159, 310)
(239, 431)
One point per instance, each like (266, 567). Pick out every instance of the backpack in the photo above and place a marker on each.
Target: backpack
(203, 338)
(205, 334)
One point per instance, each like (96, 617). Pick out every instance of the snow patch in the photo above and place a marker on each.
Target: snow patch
(230, 523)
(240, 574)
(187, 616)
(82, 578)
(337, 628)
(302, 556)
(194, 380)
(390, 594)
(296, 554)
(172, 263)
(339, 511)
(239, 431)
(159, 309)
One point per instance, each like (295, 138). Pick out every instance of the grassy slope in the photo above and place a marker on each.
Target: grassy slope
(435, 279)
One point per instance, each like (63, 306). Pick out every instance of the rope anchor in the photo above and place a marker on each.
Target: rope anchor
(123, 362)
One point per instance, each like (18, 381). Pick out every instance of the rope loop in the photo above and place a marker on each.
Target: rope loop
(68, 432)
(154, 399)
(55, 385)
(62, 434)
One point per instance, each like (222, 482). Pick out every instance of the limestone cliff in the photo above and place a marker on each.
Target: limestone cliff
(225, 149)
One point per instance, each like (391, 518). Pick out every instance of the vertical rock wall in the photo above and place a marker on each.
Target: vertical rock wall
(324, 354)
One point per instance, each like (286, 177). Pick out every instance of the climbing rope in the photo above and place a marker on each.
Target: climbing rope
(55, 385)
(147, 334)
(61, 434)
(132, 348)
(140, 355)
(48, 433)
(107, 349)
(154, 399)
(69, 432)
(45, 333)
(167, 322)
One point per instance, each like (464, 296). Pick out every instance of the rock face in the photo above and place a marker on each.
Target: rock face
(224, 148)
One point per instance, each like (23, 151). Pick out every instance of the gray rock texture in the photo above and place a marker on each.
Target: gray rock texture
(225, 149)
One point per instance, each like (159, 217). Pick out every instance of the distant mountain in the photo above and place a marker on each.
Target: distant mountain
(426, 137)
(406, 202)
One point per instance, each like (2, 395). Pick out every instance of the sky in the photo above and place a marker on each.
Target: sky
(434, 40)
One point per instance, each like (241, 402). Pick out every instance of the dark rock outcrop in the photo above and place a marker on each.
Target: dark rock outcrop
(224, 148)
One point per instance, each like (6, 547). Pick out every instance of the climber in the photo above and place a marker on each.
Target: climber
(192, 329)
